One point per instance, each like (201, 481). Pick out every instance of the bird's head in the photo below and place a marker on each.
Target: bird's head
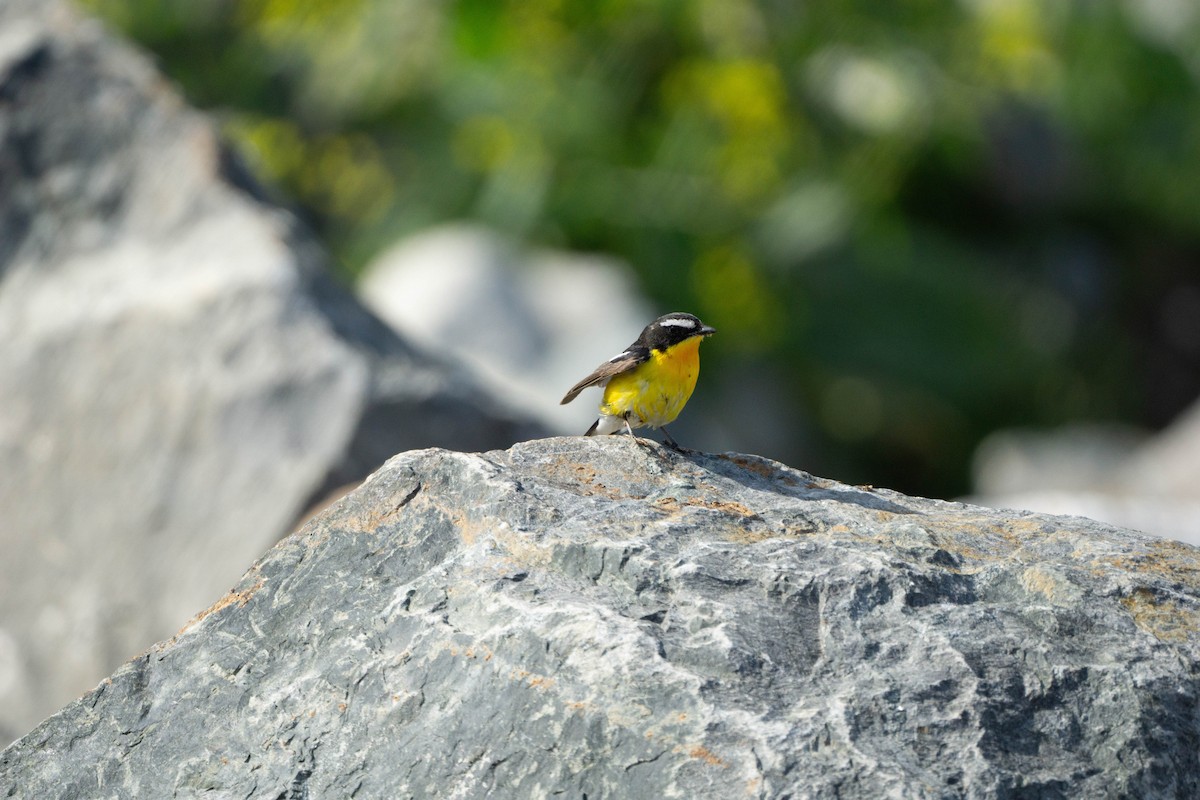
(673, 328)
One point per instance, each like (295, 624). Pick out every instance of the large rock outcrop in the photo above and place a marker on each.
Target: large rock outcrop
(179, 377)
(606, 618)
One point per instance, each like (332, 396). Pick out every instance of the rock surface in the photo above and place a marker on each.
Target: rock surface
(604, 618)
(178, 375)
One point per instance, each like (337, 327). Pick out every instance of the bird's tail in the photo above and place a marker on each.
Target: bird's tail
(592, 430)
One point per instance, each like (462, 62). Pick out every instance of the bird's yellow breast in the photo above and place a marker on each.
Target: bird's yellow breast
(656, 391)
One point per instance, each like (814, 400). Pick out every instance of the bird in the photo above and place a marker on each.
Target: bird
(649, 382)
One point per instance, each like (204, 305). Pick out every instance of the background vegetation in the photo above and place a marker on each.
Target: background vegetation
(924, 220)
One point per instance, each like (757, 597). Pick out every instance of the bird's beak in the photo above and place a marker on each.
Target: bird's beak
(705, 330)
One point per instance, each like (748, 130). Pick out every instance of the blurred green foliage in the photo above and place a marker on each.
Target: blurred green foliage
(926, 219)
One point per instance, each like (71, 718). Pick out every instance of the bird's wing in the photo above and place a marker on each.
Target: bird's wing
(622, 362)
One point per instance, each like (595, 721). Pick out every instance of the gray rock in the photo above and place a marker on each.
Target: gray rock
(179, 377)
(1078, 457)
(1106, 472)
(531, 322)
(1168, 464)
(602, 618)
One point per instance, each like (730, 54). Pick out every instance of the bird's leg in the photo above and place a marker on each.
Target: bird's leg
(671, 442)
(628, 427)
(637, 439)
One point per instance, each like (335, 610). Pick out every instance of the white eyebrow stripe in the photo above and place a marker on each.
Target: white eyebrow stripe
(682, 323)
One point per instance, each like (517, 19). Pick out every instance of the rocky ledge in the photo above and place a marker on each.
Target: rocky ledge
(604, 618)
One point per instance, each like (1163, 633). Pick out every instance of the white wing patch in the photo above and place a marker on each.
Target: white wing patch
(619, 356)
(682, 323)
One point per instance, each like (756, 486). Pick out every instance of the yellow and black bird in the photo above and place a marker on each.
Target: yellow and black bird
(650, 382)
